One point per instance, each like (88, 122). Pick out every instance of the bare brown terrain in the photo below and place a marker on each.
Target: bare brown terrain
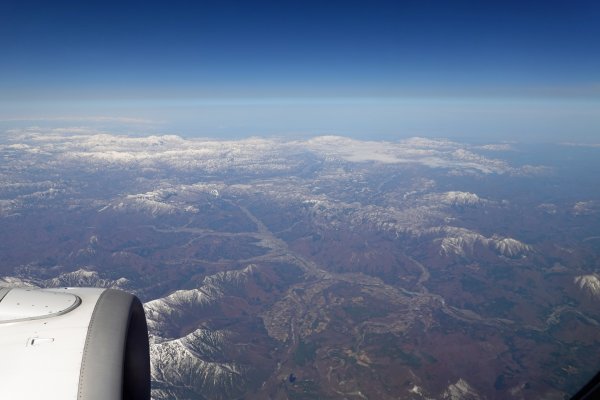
(323, 277)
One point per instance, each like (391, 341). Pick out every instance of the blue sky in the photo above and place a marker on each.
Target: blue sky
(361, 68)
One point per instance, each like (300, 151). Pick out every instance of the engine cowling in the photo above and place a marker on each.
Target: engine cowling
(73, 343)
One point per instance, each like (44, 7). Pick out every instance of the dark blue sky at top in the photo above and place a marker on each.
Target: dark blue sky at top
(107, 52)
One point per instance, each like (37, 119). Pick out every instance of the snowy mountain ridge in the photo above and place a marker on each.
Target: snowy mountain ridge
(590, 284)
(254, 154)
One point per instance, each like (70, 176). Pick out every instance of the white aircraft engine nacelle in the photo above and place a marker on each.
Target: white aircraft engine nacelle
(73, 343)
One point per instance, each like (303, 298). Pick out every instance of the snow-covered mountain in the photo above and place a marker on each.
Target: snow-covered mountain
(87, 278)
(589, 284)
(188, 367)
(169, 313)
(106, 150)
(83, 277)
(463, 242)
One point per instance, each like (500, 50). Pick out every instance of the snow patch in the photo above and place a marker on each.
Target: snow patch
(461, 390)
(461, 199)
